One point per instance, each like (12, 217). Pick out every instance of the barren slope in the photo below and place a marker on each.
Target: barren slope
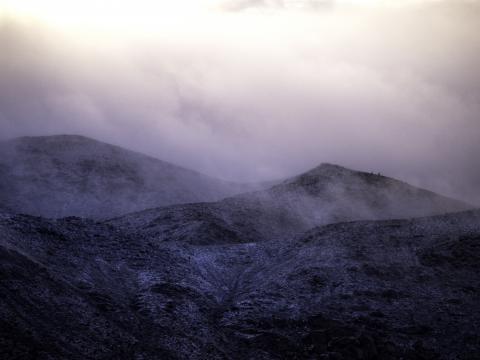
(402, 289)
(326, 194)
(56, 176)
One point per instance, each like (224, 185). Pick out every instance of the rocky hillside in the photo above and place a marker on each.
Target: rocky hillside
(326, 194)
(268, 274)
(57, 176)
(395, 289)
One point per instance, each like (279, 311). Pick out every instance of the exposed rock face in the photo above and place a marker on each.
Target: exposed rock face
(395, 289)
(57, 176)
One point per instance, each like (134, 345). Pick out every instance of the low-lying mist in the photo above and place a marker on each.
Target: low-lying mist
(265, 93)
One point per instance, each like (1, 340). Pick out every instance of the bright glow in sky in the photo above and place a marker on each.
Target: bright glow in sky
(105, 13)
(151, 13)
(186, 19)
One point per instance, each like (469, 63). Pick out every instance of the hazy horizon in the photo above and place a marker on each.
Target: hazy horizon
(255, 90)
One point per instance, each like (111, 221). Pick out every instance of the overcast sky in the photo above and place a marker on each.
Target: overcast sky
(251, 89)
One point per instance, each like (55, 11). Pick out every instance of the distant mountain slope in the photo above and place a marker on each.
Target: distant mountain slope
(326, 194)
(395, 289)
(333, 193)
(56, 176)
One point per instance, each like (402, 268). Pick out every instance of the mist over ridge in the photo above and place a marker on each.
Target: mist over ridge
(71, 175)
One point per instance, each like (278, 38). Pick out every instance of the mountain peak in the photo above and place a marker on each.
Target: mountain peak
(65, 175)
(328, 172)
(323, 173)
(328, 169)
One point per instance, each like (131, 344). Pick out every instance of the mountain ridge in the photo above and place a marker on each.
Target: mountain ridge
(67, 175)
(291, 207)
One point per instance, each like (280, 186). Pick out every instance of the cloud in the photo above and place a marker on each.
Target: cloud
(259, 96)
(242, 5)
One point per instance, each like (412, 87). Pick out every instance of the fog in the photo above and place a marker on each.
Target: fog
(258, 90)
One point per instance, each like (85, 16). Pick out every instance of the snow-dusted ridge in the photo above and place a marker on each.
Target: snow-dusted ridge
(326, 194)
(67, 175)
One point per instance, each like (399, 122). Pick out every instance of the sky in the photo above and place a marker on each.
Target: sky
(252, 90)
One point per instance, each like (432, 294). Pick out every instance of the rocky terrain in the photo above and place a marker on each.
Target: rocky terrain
(331, 264)
(58, 176)
(326, 194)
(394, 289)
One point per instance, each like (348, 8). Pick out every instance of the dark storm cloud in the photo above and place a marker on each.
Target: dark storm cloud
(393, 91)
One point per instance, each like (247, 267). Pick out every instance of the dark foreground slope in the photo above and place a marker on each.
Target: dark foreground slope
(396, 289)
(326, 194)
(57, 176)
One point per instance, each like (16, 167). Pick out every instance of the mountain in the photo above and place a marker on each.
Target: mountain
(395, 289)
(326, 194)
(70, 175)
(57, 176)
(331, 264)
